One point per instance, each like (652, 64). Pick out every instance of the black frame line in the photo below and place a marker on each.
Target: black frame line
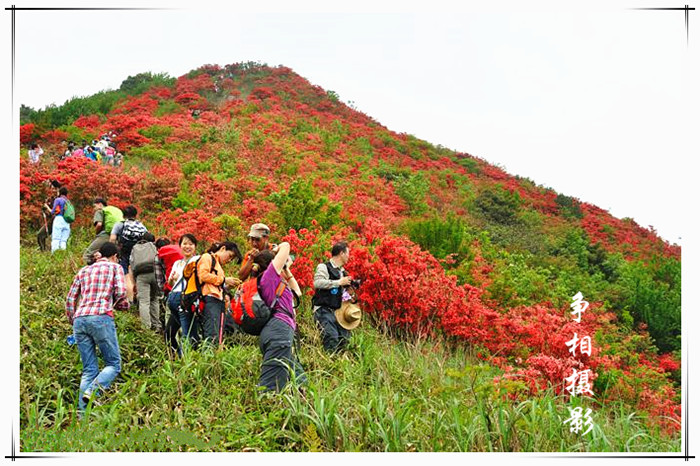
(13, 456)
(13, 8)
(686, 8)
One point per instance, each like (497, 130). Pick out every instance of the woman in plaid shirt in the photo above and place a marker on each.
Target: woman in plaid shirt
(101, 288)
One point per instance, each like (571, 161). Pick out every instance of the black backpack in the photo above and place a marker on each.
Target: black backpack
(132, 232)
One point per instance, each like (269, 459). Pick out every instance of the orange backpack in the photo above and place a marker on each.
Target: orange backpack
(248, 308)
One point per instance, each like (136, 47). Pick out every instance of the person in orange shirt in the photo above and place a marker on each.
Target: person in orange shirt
(212, 277)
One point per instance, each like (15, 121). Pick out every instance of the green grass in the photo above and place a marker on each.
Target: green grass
(382, 395)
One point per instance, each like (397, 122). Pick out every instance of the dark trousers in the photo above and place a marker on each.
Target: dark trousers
(42, 236)
(172, 326)
(211, 318)
(276, 341)
(335, 337)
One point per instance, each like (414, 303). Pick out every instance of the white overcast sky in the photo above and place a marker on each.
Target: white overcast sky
(597, 102)
(592, 102)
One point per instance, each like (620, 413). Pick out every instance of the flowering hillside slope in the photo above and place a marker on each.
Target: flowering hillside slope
(447, 245)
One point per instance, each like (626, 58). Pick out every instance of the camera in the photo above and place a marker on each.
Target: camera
(355, 283)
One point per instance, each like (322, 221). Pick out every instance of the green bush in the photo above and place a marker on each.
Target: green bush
(299, 205)
(469, 163)
(157, 133)
(186, 199)
(143, 81)
(149, 152)
(516, 283)
(568, 206)
(440, 237)
(412, 189)
(196, 166)
(499, 205)
(652, 294)
(168, 107)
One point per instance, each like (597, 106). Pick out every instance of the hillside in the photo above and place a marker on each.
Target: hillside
(455, 255)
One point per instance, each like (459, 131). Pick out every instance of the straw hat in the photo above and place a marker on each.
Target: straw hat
(349, 315)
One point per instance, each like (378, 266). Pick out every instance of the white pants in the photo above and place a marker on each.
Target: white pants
(59, 233)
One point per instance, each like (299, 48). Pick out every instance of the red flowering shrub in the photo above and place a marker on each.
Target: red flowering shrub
(54, 136)
(87, 122)
(159, 189)
(174, 224)
(27, 133)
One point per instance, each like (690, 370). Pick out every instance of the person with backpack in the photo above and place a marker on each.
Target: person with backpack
(330, 281)
(207, 276)
(104, 219)
(141, 262)
(64, 215)
(168, 254)
(127, 233)
(275, 286)
(101, 289)
(176, 282)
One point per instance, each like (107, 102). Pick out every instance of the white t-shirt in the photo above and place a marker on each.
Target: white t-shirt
(176, 271)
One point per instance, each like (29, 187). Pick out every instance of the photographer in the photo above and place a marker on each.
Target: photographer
(330, 281)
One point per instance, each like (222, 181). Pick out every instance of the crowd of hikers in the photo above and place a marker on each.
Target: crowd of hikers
(103, 150)
(127, 266)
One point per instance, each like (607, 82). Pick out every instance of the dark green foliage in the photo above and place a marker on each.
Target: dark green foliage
(652, 294)
(26, 114)
(591, 258)
(469, 163)
(300, 205)
(143, 81)
(333, 96)
(53, 116)
(499, 205)
(440, 237)
(568, 206)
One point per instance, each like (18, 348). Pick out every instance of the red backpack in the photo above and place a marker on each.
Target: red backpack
(248, 308)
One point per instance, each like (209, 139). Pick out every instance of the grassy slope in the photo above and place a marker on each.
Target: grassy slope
(384, 395)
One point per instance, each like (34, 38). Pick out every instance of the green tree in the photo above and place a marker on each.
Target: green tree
(299, 205)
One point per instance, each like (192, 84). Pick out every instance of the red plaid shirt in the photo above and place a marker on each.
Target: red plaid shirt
(101, 287)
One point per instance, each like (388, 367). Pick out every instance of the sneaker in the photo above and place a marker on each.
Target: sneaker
(88, 395)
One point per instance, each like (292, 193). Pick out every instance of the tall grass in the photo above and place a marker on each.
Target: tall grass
(381, 395)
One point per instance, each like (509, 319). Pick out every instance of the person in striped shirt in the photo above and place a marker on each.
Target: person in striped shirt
(98, 288)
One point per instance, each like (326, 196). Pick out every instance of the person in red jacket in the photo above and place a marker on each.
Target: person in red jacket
(168, 254)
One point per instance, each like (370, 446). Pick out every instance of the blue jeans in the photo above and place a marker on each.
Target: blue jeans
(188, 323)
(93, 332)
(60, 233)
